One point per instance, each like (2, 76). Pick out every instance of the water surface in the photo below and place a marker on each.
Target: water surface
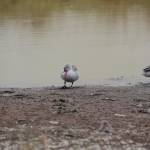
(104, 39)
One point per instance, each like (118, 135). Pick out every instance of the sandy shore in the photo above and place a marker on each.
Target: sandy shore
(54, 118)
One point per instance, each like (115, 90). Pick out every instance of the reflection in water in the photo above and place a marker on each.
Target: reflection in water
(104, 39)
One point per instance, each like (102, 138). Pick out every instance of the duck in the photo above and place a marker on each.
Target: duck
(69, 74)
(146, 71)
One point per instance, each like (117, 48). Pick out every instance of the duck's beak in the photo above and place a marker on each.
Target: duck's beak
(64, 73)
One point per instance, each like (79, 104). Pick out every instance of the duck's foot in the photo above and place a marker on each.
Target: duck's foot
(64, 87)
(71, 85)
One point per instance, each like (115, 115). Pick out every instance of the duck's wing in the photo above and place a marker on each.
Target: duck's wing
(146, 69)
(74, 68)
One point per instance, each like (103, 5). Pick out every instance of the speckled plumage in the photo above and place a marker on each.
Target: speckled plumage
(71, 74)
(146, 71)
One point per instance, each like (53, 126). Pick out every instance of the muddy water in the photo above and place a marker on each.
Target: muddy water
(104, 39)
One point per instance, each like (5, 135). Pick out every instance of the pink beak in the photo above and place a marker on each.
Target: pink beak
(64, 73)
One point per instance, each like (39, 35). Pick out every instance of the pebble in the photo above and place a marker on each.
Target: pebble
(62, 100)
(53, 122)
(106, 98)
(68, 134)
(111, 99)
(31, 120)
(131, 142)
(21, 120)
(119, 115)
(123, 143)
(105, 127)
(60, 107)
(74, 110)
(96, 94)
(140, 105)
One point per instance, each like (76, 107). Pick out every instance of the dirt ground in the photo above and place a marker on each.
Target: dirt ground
(54, 118)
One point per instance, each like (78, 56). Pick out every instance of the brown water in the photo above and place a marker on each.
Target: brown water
(103, 38)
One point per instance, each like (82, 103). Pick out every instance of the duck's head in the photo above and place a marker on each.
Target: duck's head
(67, 67)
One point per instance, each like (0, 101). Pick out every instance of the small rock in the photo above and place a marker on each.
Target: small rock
(143, 111)
(60, 107)
(140, 105)
(8, 91)
(62, 100)
(94, 94)
(123, 143)
(20, 95)
(68, 134)
(131, 142)
(119, 115)
(113, 99)
(21, 120)
(133, 110)
(59, 100)
(31, 120)
(74, 110)
(127, 131)
(148, 110)
(106, 98)
(105, 127)
(53, 122)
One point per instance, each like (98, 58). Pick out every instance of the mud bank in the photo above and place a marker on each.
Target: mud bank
(55, 118)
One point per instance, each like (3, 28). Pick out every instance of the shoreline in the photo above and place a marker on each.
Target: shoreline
(118, 81)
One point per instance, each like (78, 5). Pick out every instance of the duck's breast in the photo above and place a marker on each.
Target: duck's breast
(71, 76)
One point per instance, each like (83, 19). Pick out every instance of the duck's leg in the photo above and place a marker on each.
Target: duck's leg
(64, 87)
(71, 85)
